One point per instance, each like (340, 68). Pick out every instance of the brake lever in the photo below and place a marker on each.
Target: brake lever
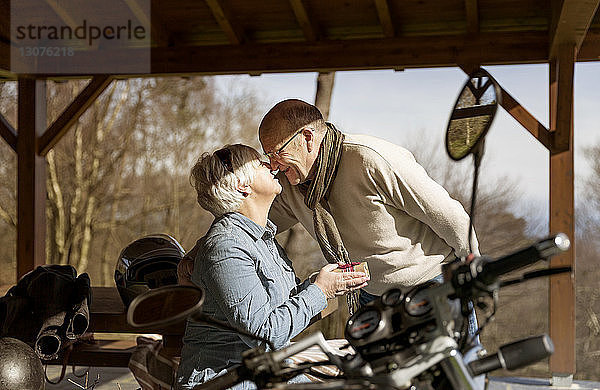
(537, 274)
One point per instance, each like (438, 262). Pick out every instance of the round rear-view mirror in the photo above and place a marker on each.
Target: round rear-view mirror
(472, 115)
(164, 306)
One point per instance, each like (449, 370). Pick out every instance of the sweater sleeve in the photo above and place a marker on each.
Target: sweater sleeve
(405, 185)
(281, 214)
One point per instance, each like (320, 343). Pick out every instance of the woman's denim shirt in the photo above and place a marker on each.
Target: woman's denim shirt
(249, 282)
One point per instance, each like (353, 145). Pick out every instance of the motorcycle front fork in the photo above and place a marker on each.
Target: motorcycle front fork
(457, 372)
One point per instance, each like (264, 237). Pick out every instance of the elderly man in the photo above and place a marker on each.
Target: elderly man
(362, 199)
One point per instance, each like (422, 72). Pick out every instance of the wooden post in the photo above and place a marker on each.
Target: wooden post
(31, 180)
(325, 81)
(562, 214)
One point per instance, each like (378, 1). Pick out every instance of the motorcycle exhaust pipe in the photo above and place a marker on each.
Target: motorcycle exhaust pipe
(48, 342)
(514, 355)
(79, 321)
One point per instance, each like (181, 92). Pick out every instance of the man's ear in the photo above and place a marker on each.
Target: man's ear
(309, 136)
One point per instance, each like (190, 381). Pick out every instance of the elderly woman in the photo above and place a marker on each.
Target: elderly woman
(248, 279)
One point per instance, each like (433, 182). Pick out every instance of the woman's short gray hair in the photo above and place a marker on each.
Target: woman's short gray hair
(216, 186)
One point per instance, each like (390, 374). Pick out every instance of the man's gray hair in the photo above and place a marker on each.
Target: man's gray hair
(216, 186)
(289, 116)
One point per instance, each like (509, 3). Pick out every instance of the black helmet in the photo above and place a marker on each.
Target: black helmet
(20, 368)
(146, 263)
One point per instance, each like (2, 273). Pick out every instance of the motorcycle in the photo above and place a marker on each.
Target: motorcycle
(402, 340)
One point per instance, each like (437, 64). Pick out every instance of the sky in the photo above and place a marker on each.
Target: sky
(412, 106)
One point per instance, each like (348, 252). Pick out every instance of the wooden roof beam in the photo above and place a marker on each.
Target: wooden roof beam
(385, 18)
(590, 48)
(430, 51)
(224, 18)
(8, 133)
(309, 28)
(571, 20)
(527, 120)
(65, 16)
(521, 115)
(356, 54)
(472, 13)
(72, 113)
(62, 13)
(159, 34)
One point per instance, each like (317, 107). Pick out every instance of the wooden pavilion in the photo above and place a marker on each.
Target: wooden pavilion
(252, 37)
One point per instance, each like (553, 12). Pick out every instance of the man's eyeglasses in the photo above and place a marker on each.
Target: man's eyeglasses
(276, 153)
(224, 156)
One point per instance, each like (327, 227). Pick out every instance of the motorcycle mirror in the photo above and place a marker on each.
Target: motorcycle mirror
(472, 115)
(164, 306)
(469, 122)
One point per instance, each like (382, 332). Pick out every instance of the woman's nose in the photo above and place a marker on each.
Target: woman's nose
(274, 164)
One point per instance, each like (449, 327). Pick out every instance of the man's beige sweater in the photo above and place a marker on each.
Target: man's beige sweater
(389, 212)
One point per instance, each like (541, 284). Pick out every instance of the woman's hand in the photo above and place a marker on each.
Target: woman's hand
(185, 267)
(339, 283)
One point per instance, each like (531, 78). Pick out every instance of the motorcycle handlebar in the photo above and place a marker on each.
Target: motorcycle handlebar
(489, 271)
(225, 381)
(514, 355)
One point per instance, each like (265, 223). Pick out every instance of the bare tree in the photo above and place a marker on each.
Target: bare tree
(122, 170)
(587, 273)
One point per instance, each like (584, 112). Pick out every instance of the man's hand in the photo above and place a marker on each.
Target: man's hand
(339, 283)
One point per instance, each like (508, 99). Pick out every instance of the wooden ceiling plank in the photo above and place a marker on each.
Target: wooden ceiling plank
(571, 21)
(225, 20)
(309, 28)
(385, 18)
(472, 13)
(72, 113)
(8, 133)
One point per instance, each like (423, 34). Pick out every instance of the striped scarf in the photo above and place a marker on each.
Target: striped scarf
(316, 192)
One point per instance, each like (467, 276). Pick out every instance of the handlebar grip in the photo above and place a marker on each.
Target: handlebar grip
(515, 355)
(225, 381)
(544, 249)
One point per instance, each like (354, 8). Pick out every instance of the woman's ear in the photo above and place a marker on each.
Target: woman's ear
(244, 189)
